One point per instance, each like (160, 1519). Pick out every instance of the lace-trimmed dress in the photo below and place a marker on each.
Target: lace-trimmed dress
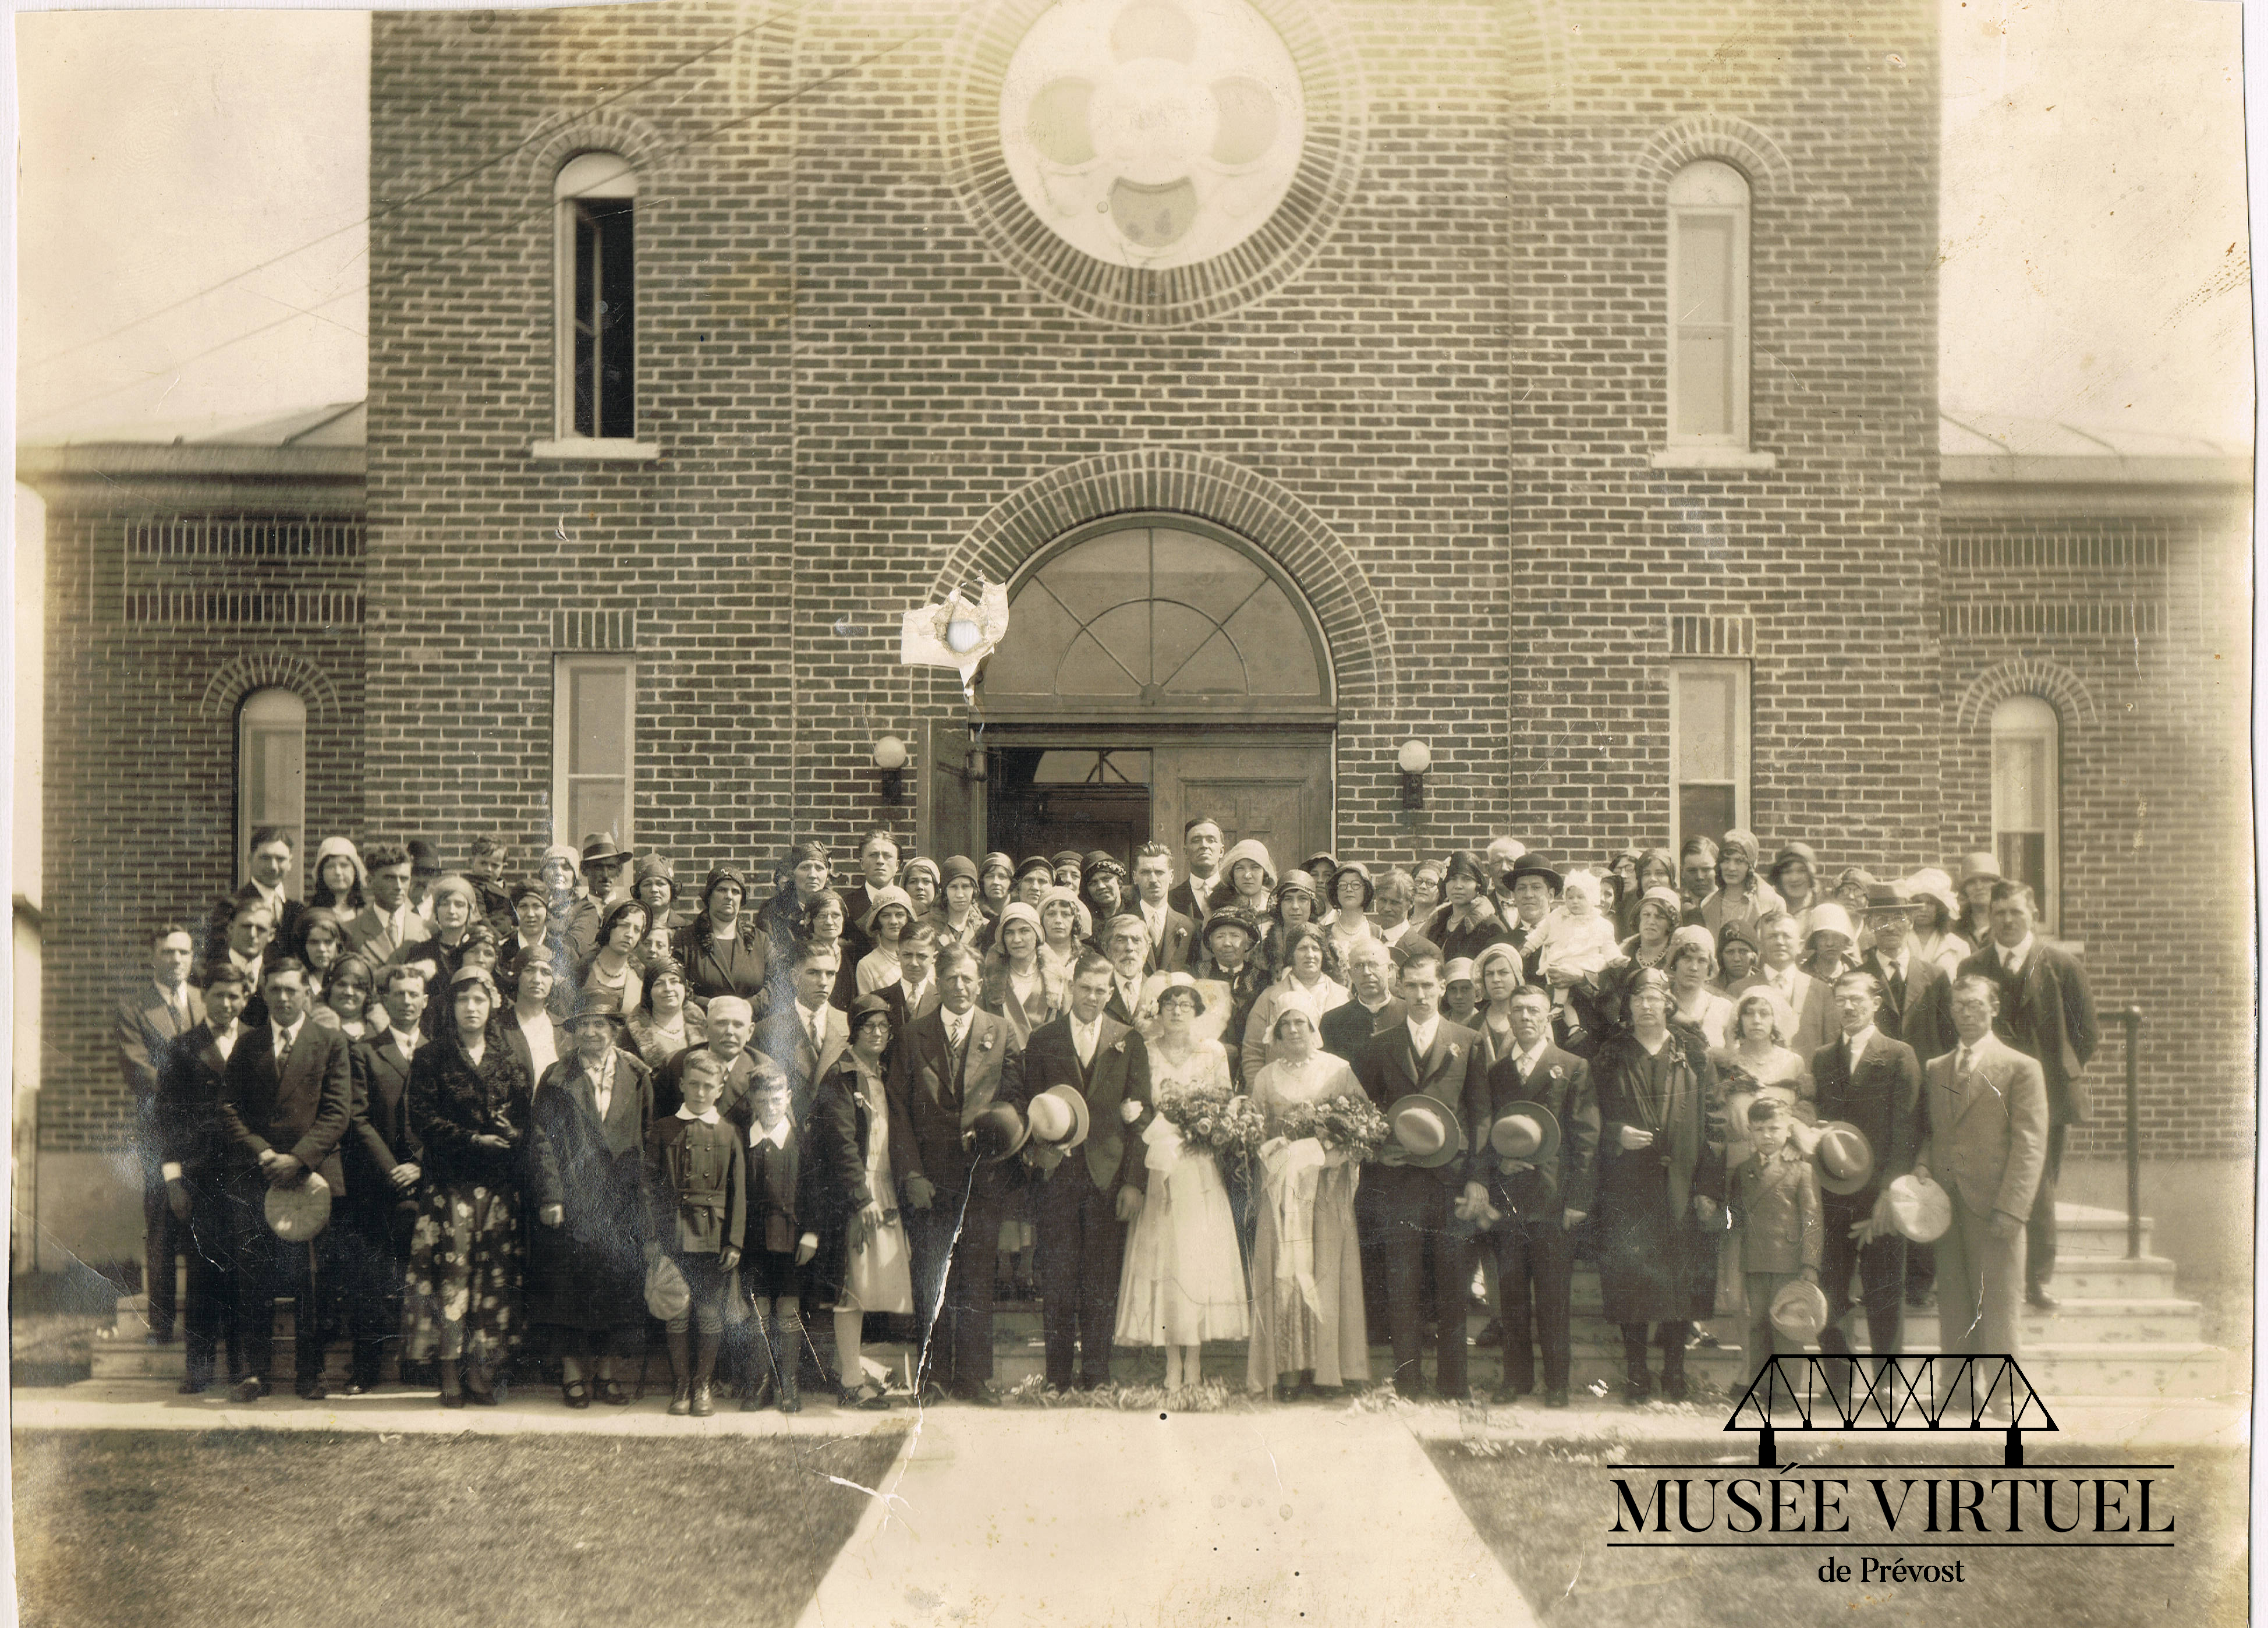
(1306, 1272)
(1183, 1280)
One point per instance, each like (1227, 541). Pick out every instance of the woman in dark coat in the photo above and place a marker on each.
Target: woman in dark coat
(1662, 1182)
(722, 950)
(468, 1106)
(586, 1254)
(863, 1264)
(1467, 923)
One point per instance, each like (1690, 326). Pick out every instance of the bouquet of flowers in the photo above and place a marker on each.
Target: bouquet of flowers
(1216, 1120)
(1344, 1125)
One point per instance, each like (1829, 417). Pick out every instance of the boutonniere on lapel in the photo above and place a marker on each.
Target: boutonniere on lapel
(1119, 1044)
(1559, 1071)
(1453, 1052)
(984, 1041)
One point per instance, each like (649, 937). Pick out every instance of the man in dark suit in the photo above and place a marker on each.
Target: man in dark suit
(731, 1028)
(1201, 846)
(1424, 1054)
(1125, 943)
(1173, 934)
(373, 1223)
(877, 860)
(1866, 1078)
(1539, 1201)
(806, 1035)
(2047, 1012)
(156, 1010)
(915, 994)
(1917, 995)
(1086, 1204)
(191, 1072)
(285, 1105)
(954, 1063)
(1374, 1007)
(248, 946)
(270, 866)
(1533, 888)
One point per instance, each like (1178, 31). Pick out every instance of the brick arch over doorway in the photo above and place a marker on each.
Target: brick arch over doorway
(1168, 480)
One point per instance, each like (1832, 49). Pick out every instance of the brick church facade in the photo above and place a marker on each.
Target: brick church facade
(1553, 385)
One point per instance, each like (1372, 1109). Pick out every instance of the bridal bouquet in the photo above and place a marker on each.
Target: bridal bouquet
(1344, 1125)
(1216, 1120)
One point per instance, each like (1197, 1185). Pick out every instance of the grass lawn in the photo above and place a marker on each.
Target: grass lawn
(256, 1527)
(1546, 1512)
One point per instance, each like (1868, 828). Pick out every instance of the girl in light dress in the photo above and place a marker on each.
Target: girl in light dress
(1307, 1330)
(1183, 1280)
(1066, 927)
(890, 912)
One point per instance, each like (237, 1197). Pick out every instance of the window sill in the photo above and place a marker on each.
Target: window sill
(1721, 458)
(584, 450)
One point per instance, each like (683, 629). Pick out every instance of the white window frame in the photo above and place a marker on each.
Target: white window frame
(273, 707)
(562, 725)
(2041, 722)
(1742, 731)
(587, 175)
(1710, 189)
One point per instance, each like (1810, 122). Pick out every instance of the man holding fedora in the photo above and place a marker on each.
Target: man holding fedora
(1986, 1146)
(286, 1100)
(1419, 1072)
(1536, 1130)
(952, 1065)
(1086, 1203)
(1870, 1113)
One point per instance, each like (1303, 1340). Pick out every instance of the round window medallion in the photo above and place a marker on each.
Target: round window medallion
(1154, 162)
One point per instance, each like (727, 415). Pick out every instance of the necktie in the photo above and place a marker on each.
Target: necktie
(284, 1039)
(1961, 1066)
(812, 1026)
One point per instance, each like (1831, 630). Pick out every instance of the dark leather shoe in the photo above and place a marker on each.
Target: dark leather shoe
(1926, 1300)
(611, 1393)
(976, 1395)
(251, 1389)
(575, 1394)
(193, 1387)
(705, 1403)
(1673, 1388)
(1638, 1389)
(1555, 1399)
(312, 1390)
(1505, 1395)
(2039, 1299)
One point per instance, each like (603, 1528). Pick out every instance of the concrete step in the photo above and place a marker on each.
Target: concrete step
(2086, 1231)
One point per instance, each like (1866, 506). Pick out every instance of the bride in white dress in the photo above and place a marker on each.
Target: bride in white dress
(1183, 1281)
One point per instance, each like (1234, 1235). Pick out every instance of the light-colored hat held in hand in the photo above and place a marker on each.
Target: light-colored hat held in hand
(1844, 1157)
(1525, 1130)
(1799, 1310)
(1058, 1118)
(300, 1211)
(1920, 1209)
(1425, 1129)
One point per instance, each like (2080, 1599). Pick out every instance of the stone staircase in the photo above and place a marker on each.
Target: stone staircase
(2121, 1333)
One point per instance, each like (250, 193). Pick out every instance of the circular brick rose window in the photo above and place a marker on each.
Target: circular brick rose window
(1154, 162)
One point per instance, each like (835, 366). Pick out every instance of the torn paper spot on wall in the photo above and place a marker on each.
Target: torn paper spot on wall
(956, 634)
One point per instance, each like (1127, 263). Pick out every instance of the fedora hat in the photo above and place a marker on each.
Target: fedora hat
(1883, 896)
(1920, 1209)
(996, 1132)
(1058, 1117)
(300, 1211)
(593, 1003)
(601, 845)
(1844, 1157)
(1425, 1129)
(1528, 1130)
(1800, 1310)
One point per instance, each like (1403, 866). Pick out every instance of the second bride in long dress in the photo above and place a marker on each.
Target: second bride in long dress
(1306, 1274)
(1182, 1280)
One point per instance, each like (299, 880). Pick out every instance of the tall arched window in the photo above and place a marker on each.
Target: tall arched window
(598, 395)
(1709, 306)
(271, 772)
(2027, 796)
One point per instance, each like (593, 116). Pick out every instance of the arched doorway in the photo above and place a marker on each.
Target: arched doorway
(1157, 668)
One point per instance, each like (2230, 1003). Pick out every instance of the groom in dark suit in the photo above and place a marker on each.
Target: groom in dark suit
(1539, 1201)
(285, 1103)
(1424, 1054)
(1086, 1204)
(952, 1065)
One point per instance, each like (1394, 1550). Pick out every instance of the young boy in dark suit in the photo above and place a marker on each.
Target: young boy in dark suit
(779, 1245)
(696, 1186)
(1776, 1199)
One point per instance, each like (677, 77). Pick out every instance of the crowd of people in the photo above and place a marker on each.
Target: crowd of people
(503, 1127)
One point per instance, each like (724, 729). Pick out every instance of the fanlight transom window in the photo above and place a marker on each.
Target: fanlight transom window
(1157, 617)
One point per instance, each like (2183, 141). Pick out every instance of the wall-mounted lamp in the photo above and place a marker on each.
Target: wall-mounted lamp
(1415, 758)
(890, 758)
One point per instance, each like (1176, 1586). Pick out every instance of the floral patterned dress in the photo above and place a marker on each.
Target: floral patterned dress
(460, 1299)
(1182, 1281)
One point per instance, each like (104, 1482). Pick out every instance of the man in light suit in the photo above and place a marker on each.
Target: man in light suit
(286, 1102)
(806, 1037)
(1201, 846)
(389, 923)
(2047, 1012)
(1424, 1053)
(1171, 931)
(1987, 1147)
(1087, 1201)
(1811, 1001)
(955, 1062)
(154, 1013)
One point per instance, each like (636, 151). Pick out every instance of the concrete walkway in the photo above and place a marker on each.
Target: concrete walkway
(1301, 1516)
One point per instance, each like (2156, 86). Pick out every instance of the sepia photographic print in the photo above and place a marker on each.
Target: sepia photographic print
(966, 813)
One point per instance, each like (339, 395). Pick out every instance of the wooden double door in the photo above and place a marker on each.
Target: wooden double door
(1273, 787)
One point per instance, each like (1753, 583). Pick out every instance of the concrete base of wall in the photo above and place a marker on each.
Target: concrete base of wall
(89, 1210)
(2201, 1210)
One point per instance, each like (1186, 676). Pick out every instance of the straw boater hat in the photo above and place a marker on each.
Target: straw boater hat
(1844, 1157)
(1426, 1129)
(300, 1210)
(1058, 1118)
(1920, 1209)
(1799, 1310)
(1528, 1130)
